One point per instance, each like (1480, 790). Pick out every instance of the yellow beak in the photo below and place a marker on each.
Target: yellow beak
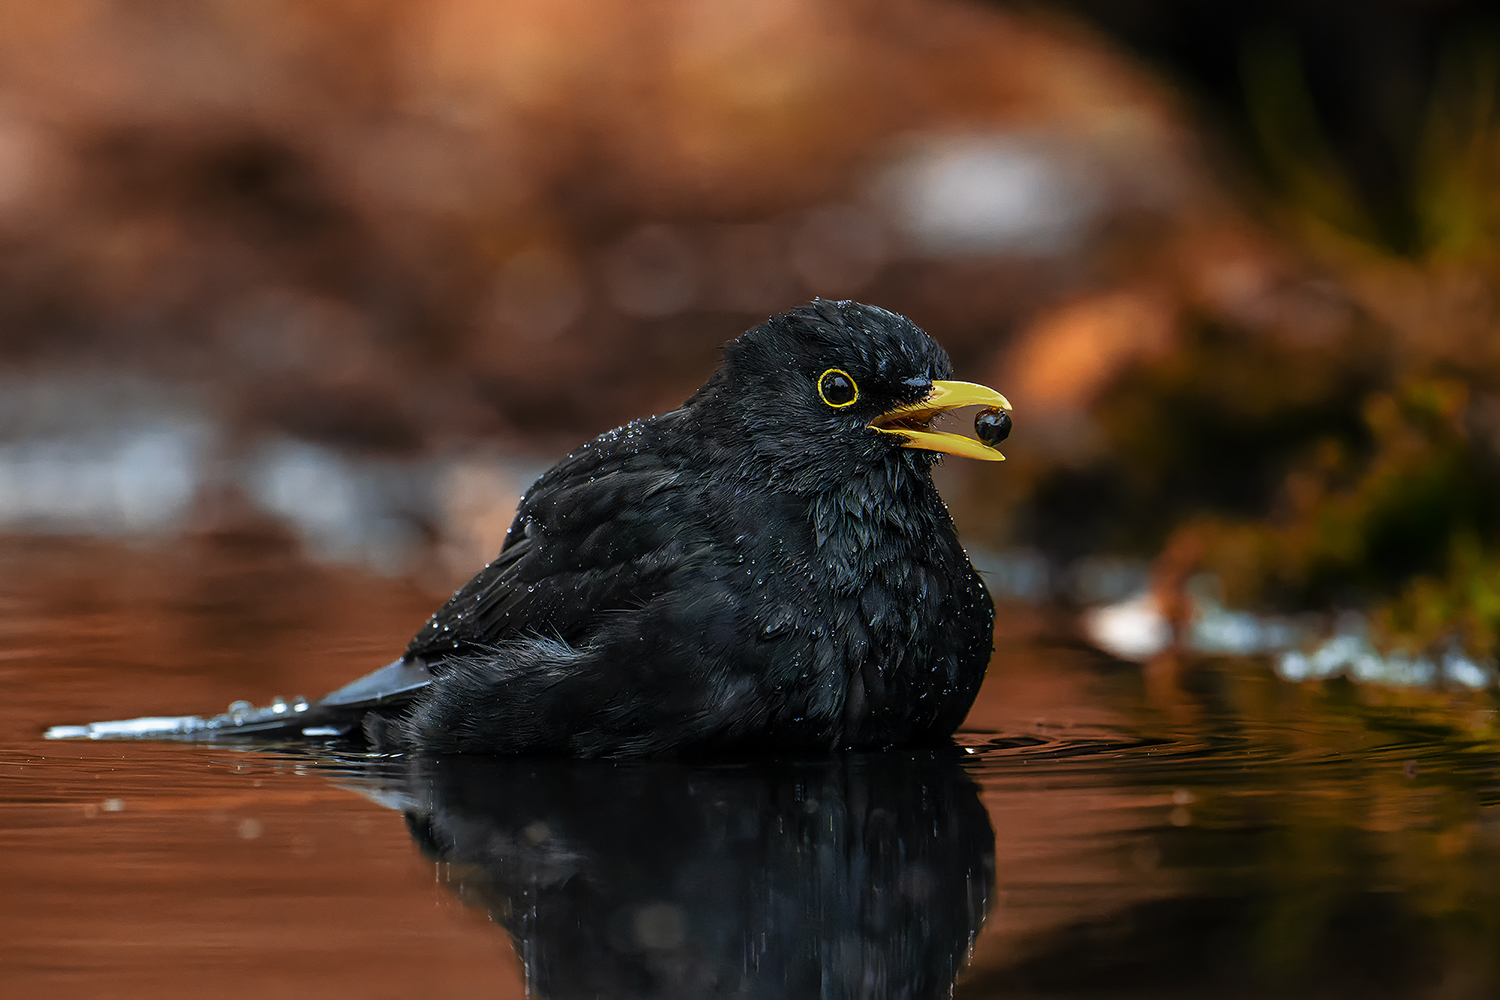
(911, 422)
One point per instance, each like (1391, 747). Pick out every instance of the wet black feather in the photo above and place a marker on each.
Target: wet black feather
(753, 570)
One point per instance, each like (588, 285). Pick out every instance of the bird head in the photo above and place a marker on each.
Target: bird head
(841, 373)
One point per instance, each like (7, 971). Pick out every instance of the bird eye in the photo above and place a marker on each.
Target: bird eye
(837, 388)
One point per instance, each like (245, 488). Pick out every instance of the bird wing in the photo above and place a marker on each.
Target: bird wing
(591, 538)
(600, 532)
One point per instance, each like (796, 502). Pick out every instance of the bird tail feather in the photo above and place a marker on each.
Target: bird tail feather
(339, 714)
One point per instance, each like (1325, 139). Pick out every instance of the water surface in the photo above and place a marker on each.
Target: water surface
(1103, 830)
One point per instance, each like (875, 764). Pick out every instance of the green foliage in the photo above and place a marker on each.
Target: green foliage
(1447, 203)
(1212, 425)
(1410, 527)
(1359, 467)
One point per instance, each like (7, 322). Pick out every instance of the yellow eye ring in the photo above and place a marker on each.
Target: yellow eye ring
(837, 388)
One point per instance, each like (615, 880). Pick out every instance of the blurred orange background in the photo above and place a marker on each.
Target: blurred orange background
(406, 229)
(357, 271)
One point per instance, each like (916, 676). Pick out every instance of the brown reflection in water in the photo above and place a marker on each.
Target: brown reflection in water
(849, 876)
(1224, 830)
(1242, 836)
(211, 882)
(166, 870)
(193, 626)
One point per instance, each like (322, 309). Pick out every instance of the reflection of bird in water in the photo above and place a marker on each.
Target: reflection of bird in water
(767, 566)
(857, 876)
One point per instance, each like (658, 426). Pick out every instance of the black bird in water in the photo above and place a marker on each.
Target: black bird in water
(767, 567)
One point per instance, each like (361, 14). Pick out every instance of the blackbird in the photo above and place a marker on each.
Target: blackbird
(767, 567)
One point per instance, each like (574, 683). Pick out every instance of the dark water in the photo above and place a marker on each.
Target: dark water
(1186, 830)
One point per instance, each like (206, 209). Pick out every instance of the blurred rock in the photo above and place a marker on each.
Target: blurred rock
(985, 195)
